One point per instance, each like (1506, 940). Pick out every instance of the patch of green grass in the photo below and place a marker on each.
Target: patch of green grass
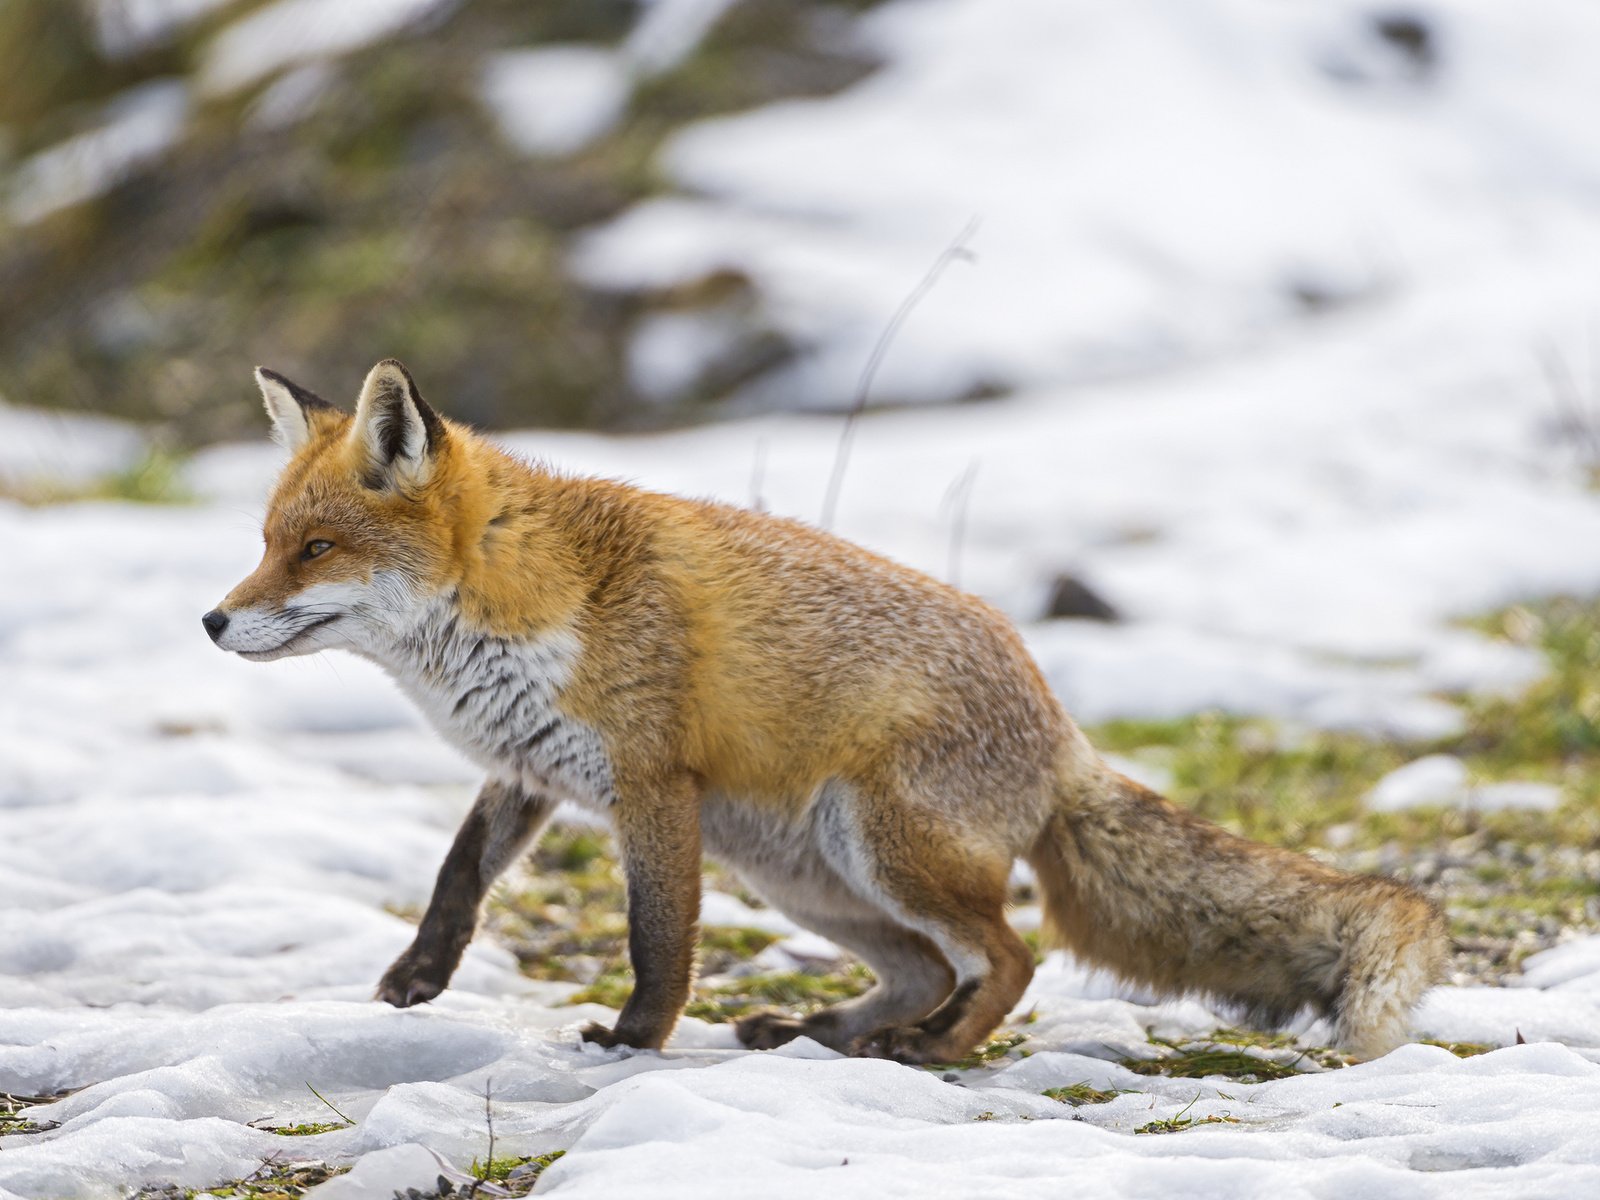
(1555, 722)
(1264, 1038)
(797, 992)
(735, 940)
(1179, 1121)
(12, 1122)
(11, 1125)
(305, 1129)
(156, 478)
(724, 947)
(1179, 1124)
(272, 1181)
(575, 850)
(1243, 775)
(611, 989)
(517, 1175)
(991, 1051)
(1203, 1063)
(1563, 896)
(574, 913)
(1462, 1049)
(1225, 1053)
(1077, 1094)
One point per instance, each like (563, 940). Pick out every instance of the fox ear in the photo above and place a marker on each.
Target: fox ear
(395, 431)
(291, 407)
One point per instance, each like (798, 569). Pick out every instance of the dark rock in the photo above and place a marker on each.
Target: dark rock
(1412, 36)
(1072, 598)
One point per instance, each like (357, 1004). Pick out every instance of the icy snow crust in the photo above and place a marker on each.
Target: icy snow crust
(200, 855)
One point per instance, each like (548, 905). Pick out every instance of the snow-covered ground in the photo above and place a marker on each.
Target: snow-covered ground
(198, 855)
(199, 852)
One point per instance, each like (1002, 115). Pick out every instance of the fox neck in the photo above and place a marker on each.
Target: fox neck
(516, 572)
(496, 699)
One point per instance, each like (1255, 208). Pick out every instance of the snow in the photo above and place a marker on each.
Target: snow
(1156, 183)
(668, 31)
(127, 27)
(289, 33)
(56, 447)
(670, 352)
(135, 126)
(291, 96)
(554, 100)
(1442, 781)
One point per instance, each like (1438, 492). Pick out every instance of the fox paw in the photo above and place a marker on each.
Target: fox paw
(908, 1044)
(600, 1035)
(767, 1030)
(411, 981)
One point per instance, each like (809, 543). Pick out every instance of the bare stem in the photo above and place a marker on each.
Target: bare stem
(957, 499)
(329, 1103)
(957, 249)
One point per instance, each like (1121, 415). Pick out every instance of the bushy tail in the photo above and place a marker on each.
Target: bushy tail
(1162, 898)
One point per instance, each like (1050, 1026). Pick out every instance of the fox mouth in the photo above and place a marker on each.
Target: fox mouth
(287, 647)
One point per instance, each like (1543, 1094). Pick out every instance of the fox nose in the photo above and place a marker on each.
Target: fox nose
(215, 622)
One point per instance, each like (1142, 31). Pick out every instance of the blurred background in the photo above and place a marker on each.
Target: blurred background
(626, 214)
(1246, 352)
(192, 185)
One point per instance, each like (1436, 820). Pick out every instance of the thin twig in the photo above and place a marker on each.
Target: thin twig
(488, 1119)
(269, 1163)
(758, 474)
(956, 500)
(1578, 415)
(957, 249)
(329, 1103)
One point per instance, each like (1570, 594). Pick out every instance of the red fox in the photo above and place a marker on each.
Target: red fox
(870, 749)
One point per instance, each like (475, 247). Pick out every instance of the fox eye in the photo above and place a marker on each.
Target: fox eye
(314, 548)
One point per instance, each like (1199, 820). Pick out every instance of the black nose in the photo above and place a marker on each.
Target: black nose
(215, 622)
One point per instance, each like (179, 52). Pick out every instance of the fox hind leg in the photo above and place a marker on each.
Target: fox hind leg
(953, 892)
(912, 978)
(992, 966)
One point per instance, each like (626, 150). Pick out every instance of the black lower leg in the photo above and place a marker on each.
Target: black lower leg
(502, 822)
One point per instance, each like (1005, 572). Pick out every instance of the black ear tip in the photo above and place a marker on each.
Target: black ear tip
(303, 397)
(394, 364)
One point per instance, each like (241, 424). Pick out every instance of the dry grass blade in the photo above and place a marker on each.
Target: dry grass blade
(957, 249)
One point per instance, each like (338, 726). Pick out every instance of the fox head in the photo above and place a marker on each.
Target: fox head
(361, 527)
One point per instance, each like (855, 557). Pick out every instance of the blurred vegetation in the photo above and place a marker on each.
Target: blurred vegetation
(154, 478)
(390, 219)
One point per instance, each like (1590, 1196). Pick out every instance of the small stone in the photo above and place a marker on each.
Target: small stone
(1073, 599)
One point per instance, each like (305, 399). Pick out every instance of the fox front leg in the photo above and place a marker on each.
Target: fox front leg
(501, 824)
(659, 833)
